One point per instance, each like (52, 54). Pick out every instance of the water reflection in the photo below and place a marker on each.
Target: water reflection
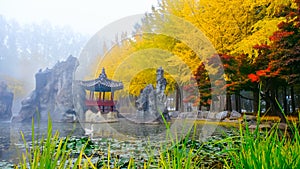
(125, 129)
(11, 142)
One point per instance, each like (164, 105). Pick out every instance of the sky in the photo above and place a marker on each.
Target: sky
(84, 16)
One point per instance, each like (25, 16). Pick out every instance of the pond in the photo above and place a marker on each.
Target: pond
(11, 141)
(124, 136)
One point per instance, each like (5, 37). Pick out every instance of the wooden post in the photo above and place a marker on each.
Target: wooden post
(103, 98)
(99, 101)
(92, 95)
(112, 100)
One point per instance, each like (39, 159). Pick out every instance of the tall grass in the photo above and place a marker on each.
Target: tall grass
(179, 154)
(270, 149)
(251, 149)
(274, 148)
(50, 152)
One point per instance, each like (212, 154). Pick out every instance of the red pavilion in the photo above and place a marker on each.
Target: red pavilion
(99, 90)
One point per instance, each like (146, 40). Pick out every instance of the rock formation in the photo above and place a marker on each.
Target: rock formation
(91, 117)
(6, 101)
(52, 94)
(225, 116)
(152, 102)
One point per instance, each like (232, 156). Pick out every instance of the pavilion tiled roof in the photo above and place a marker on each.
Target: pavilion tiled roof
(102, 84)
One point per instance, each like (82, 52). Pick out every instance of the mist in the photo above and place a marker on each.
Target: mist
(27, 48)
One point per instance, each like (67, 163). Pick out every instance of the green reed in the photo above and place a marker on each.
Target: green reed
(50, 152)
(272, 148)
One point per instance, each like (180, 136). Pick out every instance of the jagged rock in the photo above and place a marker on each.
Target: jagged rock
(152, 101)
(53, 94)
(79, 95)
(203, 114)
(235, 115)
(70, 116)
(249, 118)
(112, 116)
(182, 115)
(146, 108)
(260, 126)
(222, 115)
(211, 115)
(230, 121)
(187, 115)
(90, 116)
(6, 101)
(174, 114)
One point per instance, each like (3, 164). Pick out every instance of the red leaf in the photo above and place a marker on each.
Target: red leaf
(253, 77)
(261, 73)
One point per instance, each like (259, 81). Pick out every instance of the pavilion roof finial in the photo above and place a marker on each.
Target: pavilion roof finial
(103, 74)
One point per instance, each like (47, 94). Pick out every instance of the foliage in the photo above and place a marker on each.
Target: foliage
(285, 47)
(252, 56)
(204, 87)
(55, 152)
(273, 148)
(232, 31)
(251, 61)
(228, 27)
(276, 64)
(45, 153)
(14, 85)
(140, 66)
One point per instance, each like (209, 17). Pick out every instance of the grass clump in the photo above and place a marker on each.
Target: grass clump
(182, 152)
(273, 148)
(51, 152)
(270, 149)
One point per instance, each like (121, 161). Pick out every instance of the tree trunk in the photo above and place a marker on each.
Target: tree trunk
(285, 106)
(275, 107)
(200, 103)
(228, 102)
(200, 106)
(272, 104)
(238, 102)
(293, 99)
(255, 101)
(268, 104)
(178, 98)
